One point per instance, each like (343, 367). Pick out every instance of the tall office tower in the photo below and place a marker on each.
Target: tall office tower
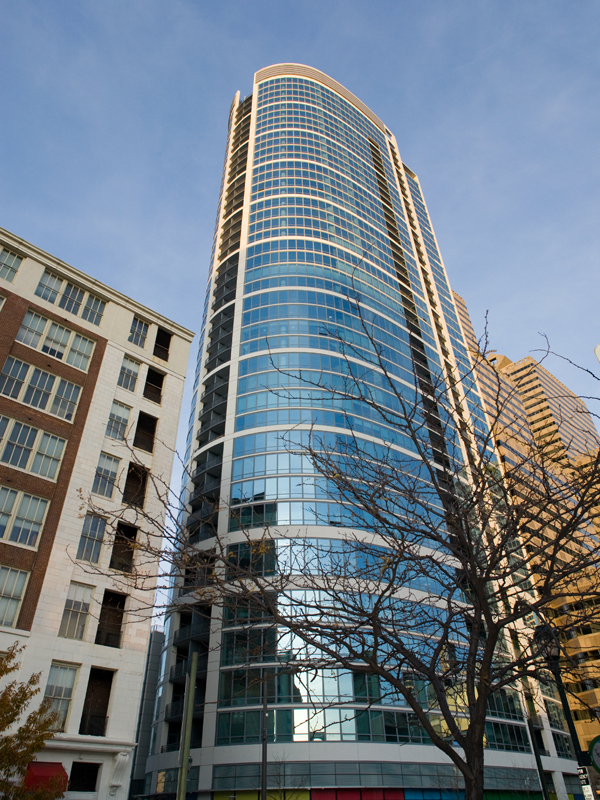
(537, 407)
(316, 211)
(90, 392)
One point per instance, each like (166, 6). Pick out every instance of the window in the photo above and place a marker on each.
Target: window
(117, 421)
(55, 343)
(94, 309)
(95, 705)
(138, 332)
(154, 385)
(162, 344)
(106, 475)
(55, 340)
(12, 377)
(84, 776)
(31, 329)
(166, 780)
(123, 548)
(135, 485)
(37, 388)
(12, 588)
(29, 448)
(59, 690)
(80, 352)
(77, 608)
(562, 742)
(19, 445)
(145, 432)
(49, 287)
(2, 299)
(65, 400)
(48, 456)
(71, 298)
(40, 386)
(92, 535)
(129, 374)
(9, 264)
(111, 619)
(24, 518)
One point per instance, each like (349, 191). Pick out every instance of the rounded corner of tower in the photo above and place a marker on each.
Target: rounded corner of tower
(312, 73)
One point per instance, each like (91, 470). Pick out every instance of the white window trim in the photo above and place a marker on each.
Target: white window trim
(68, 345)
(87, 613)
(34, 449)
(128, 424)
(5, 538)
(57, 380)
(117, 478)
(60, 292)
(64, 665)
(12, 628)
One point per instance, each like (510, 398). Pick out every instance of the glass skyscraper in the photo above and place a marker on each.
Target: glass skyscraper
(316, 211)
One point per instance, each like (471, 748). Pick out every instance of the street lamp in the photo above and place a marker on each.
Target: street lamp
(545, 638)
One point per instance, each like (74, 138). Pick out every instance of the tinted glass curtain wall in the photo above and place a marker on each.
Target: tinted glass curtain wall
(323, 253)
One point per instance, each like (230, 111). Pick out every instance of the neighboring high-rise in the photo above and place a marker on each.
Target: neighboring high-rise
(558, 418)
(90, 392)
(316, 212)
(538, 408)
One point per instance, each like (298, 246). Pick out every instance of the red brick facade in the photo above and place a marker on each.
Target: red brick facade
(36, 561)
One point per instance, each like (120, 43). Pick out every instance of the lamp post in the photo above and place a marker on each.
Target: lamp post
(545, 637)
(264, 738)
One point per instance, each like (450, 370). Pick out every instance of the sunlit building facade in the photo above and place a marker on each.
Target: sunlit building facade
(316, 211)
(539, 409)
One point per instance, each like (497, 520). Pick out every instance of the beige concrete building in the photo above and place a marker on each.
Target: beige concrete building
(90, 393)
(535, 405)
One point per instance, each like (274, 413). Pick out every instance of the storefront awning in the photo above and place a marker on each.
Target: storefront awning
(46, 773)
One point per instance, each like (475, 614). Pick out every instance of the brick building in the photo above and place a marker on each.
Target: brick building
(90, 393)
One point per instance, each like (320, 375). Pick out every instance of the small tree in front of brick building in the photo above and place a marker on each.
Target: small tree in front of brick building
(22, 737)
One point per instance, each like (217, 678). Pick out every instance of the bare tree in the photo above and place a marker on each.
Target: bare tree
(446, 562)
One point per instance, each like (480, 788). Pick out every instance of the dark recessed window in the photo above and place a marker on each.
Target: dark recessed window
(154, 385)
(84, 776)
(135, 485)
(145, 432)
(123, 548)
(162, 344)
(110, 621)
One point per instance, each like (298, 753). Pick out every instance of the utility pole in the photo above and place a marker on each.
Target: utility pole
(265, 715)
(538, 760)
(188, 716)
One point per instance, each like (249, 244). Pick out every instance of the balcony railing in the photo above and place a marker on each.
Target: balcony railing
(171, 747)
(213, 461)
(199, 630)
(181, 669)
(176, 709)
(207, 488)
(93, 725)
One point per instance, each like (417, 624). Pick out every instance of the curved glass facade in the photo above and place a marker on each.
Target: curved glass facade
(321, 232)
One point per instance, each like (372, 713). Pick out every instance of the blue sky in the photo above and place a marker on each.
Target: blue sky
(115, 113)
